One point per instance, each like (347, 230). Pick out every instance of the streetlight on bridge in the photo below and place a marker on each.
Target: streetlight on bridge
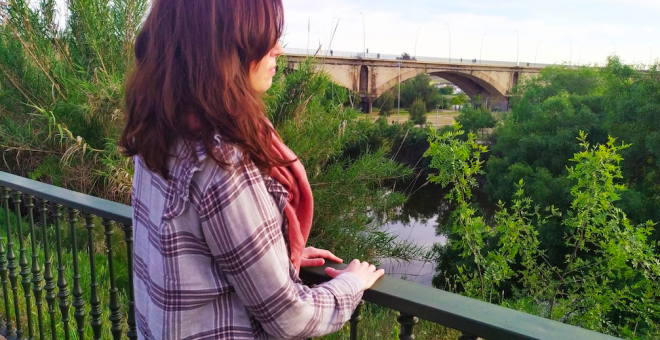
(650, 58)
(537, 51)
(449, 30)
(570, 57)
(364, 37)
(416, 36)
(580, 57)
(518, 53)
(482, 48)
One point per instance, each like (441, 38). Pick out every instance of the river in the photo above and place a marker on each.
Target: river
(418, 223)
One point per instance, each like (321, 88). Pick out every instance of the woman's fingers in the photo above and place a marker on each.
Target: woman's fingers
(332, 257)
(332, 272)
(311, 252)
(311, 262)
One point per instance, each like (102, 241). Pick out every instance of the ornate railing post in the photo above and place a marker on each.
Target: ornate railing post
(48, 270)
(128, 238)
(25, 267)
(407, 323)
(78, 301)
(355, 318)
(36, 270)
(13, 266)
(115, 313)
(3, 265)
(94, 301)
(63, 293)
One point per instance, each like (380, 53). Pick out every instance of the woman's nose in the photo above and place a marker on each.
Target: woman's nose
(277, 50)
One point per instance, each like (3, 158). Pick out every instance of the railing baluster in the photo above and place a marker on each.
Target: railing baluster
(465, 336)
(13, 274)
(128, 238)
(48, 270)
(63, 293)
(355, 318)
(78, 301)
(36, 270)
(115, 313)
(25, 269)
(407, 323)
(3, 265)
(94, 300)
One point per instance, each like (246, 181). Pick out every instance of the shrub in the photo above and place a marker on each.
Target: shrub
(418, 112)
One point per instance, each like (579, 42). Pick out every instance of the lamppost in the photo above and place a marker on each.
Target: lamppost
(580, 57)
(416, 36)
(398, 104)
(518, 50)
(570, 57)
(650, 58)
(437, 108)
(537, 51)
(364, 37)
(329, 48)
(482, 47)
(449, 30)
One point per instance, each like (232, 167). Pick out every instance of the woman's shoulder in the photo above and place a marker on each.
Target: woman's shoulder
(233, 163)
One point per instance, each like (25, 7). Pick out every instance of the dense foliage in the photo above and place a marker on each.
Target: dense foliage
(608, 282)
(536, 141)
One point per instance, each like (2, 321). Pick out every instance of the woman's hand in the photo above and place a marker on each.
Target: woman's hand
(366, 272)
(312, 257)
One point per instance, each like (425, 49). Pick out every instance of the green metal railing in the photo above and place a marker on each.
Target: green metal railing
(58, 206)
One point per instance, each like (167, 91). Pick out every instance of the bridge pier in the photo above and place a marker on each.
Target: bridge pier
(366, 104)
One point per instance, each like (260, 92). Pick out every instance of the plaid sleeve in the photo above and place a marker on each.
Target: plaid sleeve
(241, 224)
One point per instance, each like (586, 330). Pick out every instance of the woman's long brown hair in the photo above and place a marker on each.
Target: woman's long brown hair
(192, 64)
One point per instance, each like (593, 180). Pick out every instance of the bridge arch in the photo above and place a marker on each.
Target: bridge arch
(472, 83)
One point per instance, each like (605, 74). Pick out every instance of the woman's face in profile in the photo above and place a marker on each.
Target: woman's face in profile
(261, 74)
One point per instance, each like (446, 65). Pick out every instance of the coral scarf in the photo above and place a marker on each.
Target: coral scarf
(299, 207)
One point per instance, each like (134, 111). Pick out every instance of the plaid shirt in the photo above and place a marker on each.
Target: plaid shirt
(211, 260)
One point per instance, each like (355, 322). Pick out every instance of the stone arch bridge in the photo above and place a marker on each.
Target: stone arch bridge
(373, 77)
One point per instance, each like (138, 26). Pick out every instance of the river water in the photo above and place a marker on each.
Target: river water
(418, 222)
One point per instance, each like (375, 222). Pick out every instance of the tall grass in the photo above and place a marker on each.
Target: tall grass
(61, 92)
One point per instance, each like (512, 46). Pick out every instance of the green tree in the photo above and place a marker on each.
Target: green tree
(534, 142)
(418, 112)
(608, 282)
(385, 102)
(474, 120)
(447, 90)
(419, 87)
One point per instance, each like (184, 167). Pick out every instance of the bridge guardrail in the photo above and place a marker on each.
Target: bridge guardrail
(383, 56)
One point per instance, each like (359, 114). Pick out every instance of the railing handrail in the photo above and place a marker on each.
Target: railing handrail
(445, 308)
(460, 312)
(100, 207)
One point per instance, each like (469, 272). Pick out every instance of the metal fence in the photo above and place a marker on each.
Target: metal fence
(102, 275)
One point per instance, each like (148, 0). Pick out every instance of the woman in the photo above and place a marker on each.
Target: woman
(221, 207)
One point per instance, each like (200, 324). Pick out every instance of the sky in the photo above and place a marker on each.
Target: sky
(550, 31)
